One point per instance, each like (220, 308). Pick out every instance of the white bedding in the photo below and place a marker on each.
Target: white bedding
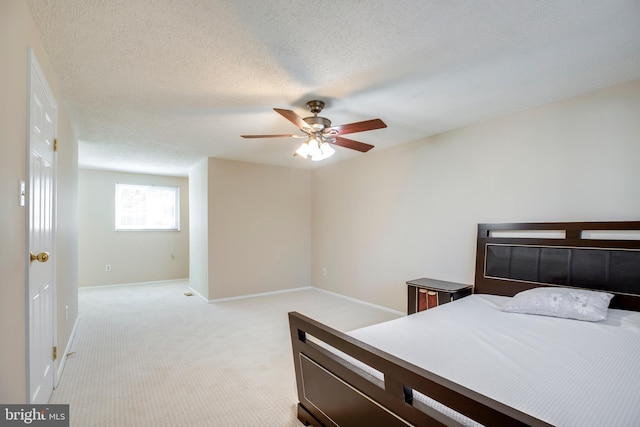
(565, 372)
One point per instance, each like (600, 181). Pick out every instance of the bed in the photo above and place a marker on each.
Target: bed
(470, 363)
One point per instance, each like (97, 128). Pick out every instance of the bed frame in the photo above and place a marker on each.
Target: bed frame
(510, 258)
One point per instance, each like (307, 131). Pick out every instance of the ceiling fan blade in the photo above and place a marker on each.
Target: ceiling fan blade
(293, 118)
(284, 135)
(357, 127)
(350, 143)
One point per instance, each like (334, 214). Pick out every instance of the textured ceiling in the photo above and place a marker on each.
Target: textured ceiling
(155, 85)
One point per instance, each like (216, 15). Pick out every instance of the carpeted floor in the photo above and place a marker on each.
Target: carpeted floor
(147, 355)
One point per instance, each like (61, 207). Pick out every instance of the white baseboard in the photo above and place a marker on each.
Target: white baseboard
(262, 294)
(152, 282)
(67, 350)
(198, 294)
(379, 307)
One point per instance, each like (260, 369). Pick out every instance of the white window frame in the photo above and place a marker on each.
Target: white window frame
(149, 223)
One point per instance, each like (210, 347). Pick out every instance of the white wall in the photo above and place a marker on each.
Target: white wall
(17, 33)
(411, 211)
(134, 256)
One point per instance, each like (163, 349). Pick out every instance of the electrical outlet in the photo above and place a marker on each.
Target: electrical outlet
(324, 271)
(107, 267)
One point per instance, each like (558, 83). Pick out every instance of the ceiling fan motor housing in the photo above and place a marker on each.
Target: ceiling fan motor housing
(318, 124)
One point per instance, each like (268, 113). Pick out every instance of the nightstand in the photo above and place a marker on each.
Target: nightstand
(427, 293)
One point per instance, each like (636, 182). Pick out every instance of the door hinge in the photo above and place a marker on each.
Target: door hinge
(55, 145)
(55, 353)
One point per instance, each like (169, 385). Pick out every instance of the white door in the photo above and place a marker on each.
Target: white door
(40, 222)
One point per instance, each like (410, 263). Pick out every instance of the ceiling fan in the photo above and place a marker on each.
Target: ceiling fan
(321, 135)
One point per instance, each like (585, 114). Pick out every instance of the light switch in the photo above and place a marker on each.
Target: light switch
(23, 193)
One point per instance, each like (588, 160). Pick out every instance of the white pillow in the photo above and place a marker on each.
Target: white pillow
(567, 303)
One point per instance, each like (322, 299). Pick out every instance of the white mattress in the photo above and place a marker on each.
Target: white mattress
(565, 372)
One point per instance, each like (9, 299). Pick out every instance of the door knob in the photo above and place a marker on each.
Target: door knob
(41, 257)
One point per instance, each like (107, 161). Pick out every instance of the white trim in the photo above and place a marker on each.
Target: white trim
(376, 306)
(186, 279)
(67, 350)
(262, 294)
(379, 307)
(198, 294)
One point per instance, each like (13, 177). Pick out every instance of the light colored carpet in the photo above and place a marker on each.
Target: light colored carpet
(146, 355)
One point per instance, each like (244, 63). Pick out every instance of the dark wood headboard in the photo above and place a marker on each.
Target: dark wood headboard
(605, 256)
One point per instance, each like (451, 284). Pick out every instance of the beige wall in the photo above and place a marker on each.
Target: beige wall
(134, 256)
(258, 228)
(411, 211)
(17, 33)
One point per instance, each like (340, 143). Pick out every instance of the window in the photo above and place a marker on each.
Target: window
(147, 207)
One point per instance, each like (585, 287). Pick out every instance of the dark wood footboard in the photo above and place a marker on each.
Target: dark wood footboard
(331, 393)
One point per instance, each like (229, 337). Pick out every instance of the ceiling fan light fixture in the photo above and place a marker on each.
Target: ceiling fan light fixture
(326, 151)
(303, 150)
(314, 147)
